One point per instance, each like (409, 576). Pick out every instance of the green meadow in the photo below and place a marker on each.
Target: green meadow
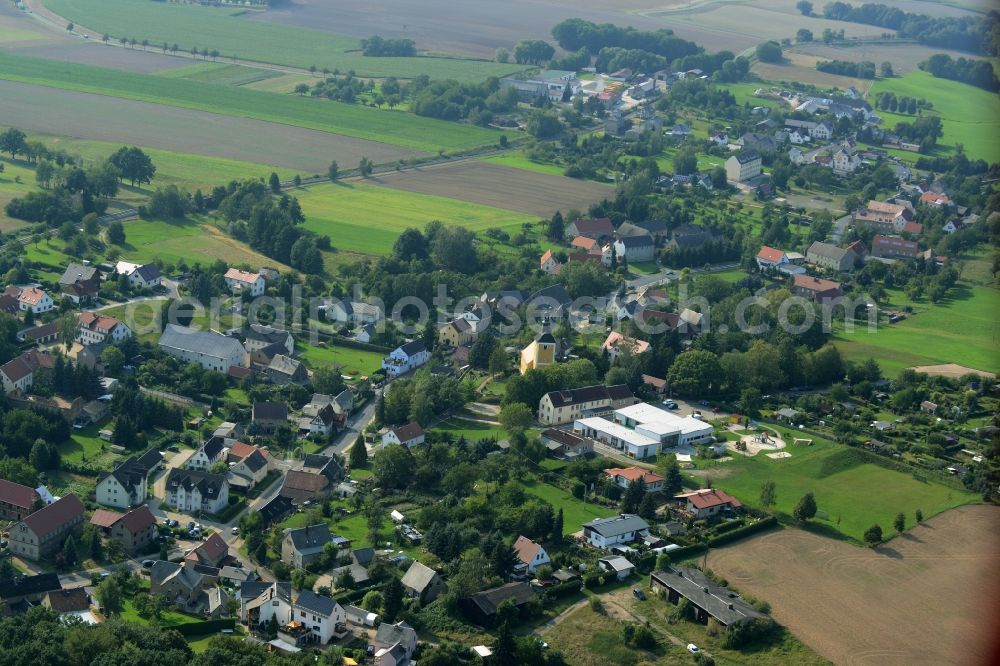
(969, 115)
(226, 30)
(575, 512)
(393, 127)
(962, 329)
(16, 180)
(353, 362)
(367, 218)
(851, 493)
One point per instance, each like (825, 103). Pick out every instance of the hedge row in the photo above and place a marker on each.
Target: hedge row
(341, 341)
(205, 627)
(745, 531)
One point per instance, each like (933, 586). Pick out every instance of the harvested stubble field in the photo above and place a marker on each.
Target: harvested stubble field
(500, 186)
(39, 109)
(926, 597)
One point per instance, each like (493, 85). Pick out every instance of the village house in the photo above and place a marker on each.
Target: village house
(634, 249)
(422, 582)
(20, 593)
(303, 546)
(405, 358)
(560, 407)
(190, 491)
(743, 166)
(258, 336)
(394, 644)
(80, 283)
(188, 586)
(482, 607)
(824, 292)
(770, 257)
(303, 618)
(286, 370)
(317, 478)
(70, 603)
(35, 300)
(249, 462)
(212, 351)
(708, 599)
(830, 256)
(140, 276)
(617, 344)
(894, 247)
(651, 482)
(845, 162)
(530, 556)
(457, 333)
(127, 484)
(618, 530)
(351, 312)
(243, 282)
(596, 229)
(17, 501)
(883, 217)
(96, 329)
(408, 435)
(565, 444)
(617, 565)
(549, 263)
(43, 532)
(135, 531)
(211, 552)
(268, 416)
(209, 453)
(708, 502)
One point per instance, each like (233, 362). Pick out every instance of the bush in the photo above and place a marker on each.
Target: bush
(597, 606)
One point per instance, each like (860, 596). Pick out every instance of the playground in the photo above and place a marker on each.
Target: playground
(756, 439)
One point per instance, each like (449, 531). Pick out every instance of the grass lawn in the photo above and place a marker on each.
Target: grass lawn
(352, 361)
(961, 329)
(473, 431)
(575, 512)
(169, 618)
(199, 644)
(343, 212)
(86, 446)
(190, 239)
(398, 128)
(851, 494)
(969, 115)
(16, 180)
(224, 29)
(590, 639)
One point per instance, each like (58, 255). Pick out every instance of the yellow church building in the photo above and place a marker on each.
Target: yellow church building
(541, 352)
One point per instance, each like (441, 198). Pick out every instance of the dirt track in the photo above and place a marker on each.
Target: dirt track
(500, 186)
(928, 597)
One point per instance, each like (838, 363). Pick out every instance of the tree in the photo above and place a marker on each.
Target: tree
(769, 51)
(365, 167)
(647, 507)
(805, 7)
(919, 516)
(133, 164)
(392, 467)
(885, 70)
(533, 52)
(116, 233)
(556, 228)
(632, 497)
(13, 141)
(899, 523)
(392, 599)
(359, 453)
(505, 650)
(328, 380)
(70, 556)
(502, 55)
(109, 595)
(873, 535)
(557, 527)
(767, 494)
(673, 482)
(804, 35)
(805, 509)
(686, 162)
(516, 417)
(333, 171)
(696, 372)
(274, 183)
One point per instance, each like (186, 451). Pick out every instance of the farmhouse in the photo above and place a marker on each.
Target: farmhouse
(530, 556)
(80, 283)
(258, 336)
(882, 216)
(635, 248)
(134, 530)
(708, 599)
(303, 546)
(549, 263)
(743, 166)
(457, 333)
(16, 501)
(408, 435)
(144, 276)
(824, 292)
(560, 407)
(607, 532)
(394, 644)
(708, 502)
(34, 300)
(43, 532)
(770, 257)
(267, 416)
(243, 282)
(211, 351)
(286, 370)
(830, 256)
(128, 483)
(596, 229)
(351, 312)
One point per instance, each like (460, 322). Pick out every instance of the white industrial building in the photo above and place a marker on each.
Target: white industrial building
(644, 430)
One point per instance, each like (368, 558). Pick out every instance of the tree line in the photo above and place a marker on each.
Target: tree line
(979, 73)
(862, 70)
(380, 47)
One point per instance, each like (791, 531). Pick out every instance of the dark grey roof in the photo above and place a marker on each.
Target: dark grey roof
(617, 525)
(200, 342)
(77, 273)
(747, 156)
(589, 394)
(213, 447)
(266, 334)
(251, 589)
(363, 556)
(210, 485)
(310, 539)
(413, 348)
(318, 604)
(721, 603)
(328, 466)
(556, 292)
(653, 226)
(150, 459)
(276, 510)
(255, 461)
(25, 585)
(270, 411)
(489, 600)
(148, 272)
(390, 634)
(636, 241)
(827, 250)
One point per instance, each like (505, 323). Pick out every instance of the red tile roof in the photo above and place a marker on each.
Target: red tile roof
(526, 549)
(634, 473)
(16, 494)
(770, 254)
(97, 322)
(710, 497)
(139, 519)
(212, 550)
(105, 518)
(812, 283)
(50, 518)
(31, 295)
(242, 276)
(584, 242)
(407, 432)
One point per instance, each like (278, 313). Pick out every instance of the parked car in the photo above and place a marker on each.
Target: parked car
(147, 564)
(670, 404)
(638, 594)
(692, 648)
(236, 530)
